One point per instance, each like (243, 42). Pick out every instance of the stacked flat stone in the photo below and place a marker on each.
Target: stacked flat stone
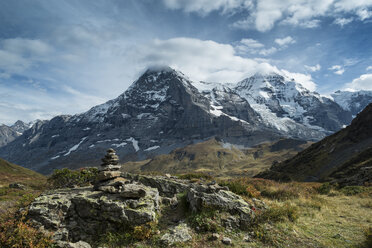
(108, 178)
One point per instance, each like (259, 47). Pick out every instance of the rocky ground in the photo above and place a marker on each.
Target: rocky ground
(77, 217)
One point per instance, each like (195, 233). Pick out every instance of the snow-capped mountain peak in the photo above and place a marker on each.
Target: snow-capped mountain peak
(353, 101)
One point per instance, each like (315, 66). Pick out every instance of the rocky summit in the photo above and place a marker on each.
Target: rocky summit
(164, 110)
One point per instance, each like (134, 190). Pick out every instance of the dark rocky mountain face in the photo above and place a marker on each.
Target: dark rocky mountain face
(164, 110)
(344, 157)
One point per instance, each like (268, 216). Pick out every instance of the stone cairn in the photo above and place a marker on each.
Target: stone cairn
(109, 177)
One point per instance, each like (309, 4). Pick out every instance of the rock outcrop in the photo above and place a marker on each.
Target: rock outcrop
(84, 214)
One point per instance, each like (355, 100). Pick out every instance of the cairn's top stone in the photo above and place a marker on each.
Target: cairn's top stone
(110, 158)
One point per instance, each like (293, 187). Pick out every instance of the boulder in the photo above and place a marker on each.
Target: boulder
(166, 187)
(17, 186)
(177, 234)
(200, 197)
(73, 215)
(226, 241)
(64, 244)
(133, 191)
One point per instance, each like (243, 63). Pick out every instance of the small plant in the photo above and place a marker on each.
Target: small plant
(280, 194)
(353, 190)
(368, 235)
(65, 178)
(240, 187)
(15, 231)
(126, 235)
(324, 189)
(278, 213)
(205, 221)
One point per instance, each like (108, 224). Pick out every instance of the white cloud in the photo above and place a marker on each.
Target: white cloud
(364, 82)
(252, 46)
(337, 69)
(251, 43)
(285, 41)
(206, 6)
(303, 79)
(364, 14)
(269, 51)
(209, 61)
(17, 55)
(343, 21)
(369, 68)
(314, 68)
(264, 14)
(26, 46)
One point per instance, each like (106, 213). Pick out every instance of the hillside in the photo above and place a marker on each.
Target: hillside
(345, 156)
(10, 173)
(214, 157)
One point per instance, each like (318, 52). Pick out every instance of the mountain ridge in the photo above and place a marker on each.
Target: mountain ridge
(345, 157)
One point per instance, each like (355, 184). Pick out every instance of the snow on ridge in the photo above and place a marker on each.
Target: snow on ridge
(134, 143)
(75, 147)
(152, 148)
(120, 144)
(216, 111)
(53, 158)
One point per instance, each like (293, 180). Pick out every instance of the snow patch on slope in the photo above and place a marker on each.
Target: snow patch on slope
(75, 147)
(134, 143)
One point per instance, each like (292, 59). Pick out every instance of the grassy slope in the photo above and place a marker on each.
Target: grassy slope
(10, 173)
(211, 157)
(332, 220)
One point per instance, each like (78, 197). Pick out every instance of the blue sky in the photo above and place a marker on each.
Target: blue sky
(63, 57)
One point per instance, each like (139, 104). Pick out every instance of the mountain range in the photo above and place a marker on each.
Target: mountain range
(164, 110)
(344, 157)
(10, 133)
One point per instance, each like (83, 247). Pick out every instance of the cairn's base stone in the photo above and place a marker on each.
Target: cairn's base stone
(105, 175)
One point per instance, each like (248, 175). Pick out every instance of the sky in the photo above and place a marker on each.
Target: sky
(64, 57)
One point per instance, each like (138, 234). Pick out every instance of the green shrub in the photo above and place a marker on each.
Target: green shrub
(205, 221)
(278, 213)
(241, 187)
(280, 194)
(126, 235)
(353, 190)
(15, 231)
(324, 189)
(66, 178)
